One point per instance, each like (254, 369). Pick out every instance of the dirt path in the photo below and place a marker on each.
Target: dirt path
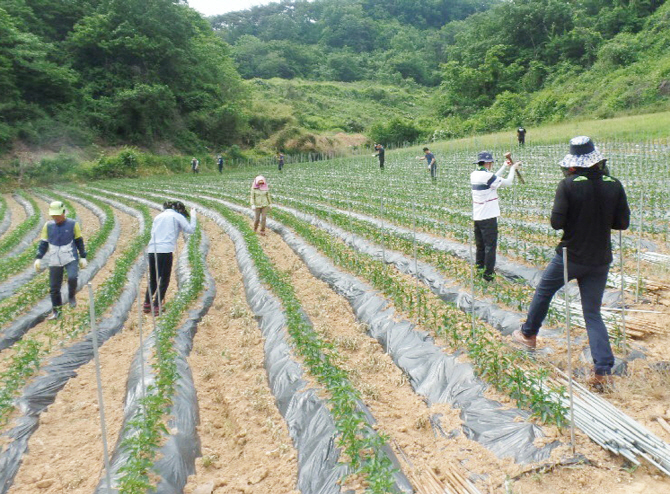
(17, 212)
(245, 442)
(401, 416)
(400, 412)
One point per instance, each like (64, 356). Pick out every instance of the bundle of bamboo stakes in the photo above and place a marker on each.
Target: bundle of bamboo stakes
(635, 327)
(426, 482)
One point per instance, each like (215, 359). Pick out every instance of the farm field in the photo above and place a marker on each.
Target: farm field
(351, 349)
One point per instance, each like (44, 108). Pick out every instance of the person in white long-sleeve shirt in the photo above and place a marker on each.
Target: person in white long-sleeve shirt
(164, 235)
(486, 209)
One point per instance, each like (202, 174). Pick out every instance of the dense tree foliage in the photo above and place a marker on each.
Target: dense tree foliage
(344, 40)
(137, 71)
(493, 63)
(154, 72)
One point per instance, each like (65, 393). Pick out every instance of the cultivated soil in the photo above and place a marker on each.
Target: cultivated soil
(245, 443)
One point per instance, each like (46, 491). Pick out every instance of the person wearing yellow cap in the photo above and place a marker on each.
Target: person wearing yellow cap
(61, 238)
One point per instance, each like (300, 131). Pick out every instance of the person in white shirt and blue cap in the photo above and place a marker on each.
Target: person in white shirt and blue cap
(486, 209)
(164, 235)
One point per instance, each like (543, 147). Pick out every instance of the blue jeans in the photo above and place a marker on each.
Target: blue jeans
(591, 281)
(56, 280)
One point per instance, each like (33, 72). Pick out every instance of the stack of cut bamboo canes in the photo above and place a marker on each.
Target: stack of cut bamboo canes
(427, 482)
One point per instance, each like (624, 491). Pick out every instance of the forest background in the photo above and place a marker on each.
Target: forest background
(100, 88)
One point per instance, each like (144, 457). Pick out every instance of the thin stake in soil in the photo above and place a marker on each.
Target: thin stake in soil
(567, 332)
(623, 295)
(472, 283)
(139, 327)
(639, 245)
(96, 358)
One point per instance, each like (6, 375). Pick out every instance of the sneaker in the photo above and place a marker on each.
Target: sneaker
(53, 316)
(73, 302)
(157, 311)
(146, 308)
(601, 382)
(528, 342)
(262, 233)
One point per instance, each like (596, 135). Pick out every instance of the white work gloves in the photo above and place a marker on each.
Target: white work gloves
(83, 263)
(38, 265)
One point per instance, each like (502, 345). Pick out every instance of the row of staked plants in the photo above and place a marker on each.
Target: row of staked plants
(362, 446)
(12, 239)
(12, 265)
(30, 352)
(502, 291)
(38, 288)
(509, 370)
(150, 424)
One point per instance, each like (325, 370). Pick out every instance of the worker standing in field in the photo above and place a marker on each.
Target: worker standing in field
(431, 162)
(164, 235)
(61, 238)
(521, 136)
(380, 154)
(219, 162)
(195, 165)
(588, 205)
(261, 202)
(486, 209)
(280, 161)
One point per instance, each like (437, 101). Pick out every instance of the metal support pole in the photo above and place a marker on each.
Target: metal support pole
(639, 246)
(569, 340)
(139, 327)
(472, 283)
(381, 212)
(623, 293)
(101, 403)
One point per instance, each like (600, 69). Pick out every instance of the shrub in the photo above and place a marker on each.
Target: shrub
(397, 131)
(123, 165)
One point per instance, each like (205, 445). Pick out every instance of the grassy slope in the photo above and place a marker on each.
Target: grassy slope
(333, 106)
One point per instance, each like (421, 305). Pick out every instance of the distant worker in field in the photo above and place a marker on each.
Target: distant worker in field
(219, 163)
(261, 202)
(164, 235)
(431, 162)
(486, 209)
(380, 154)
(280, 161)
(195, 165)
(588, 205)
(61, 238)
(521, 136)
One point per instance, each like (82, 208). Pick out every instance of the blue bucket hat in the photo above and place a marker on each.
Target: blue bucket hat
(485, 157)
(583, 154)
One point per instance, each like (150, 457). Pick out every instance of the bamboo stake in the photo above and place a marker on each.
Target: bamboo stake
(623, 294)
(568, 331)
(101, 403)
(639, 246)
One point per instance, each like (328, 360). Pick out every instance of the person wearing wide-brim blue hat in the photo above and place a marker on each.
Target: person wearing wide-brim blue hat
(486, 209)
(583, 154)
(588, 205)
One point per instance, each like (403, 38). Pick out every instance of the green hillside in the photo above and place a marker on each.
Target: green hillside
(107, 78)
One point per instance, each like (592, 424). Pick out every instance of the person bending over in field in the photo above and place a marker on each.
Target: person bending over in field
(61, 238)
(261, 201)
(164, 235)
